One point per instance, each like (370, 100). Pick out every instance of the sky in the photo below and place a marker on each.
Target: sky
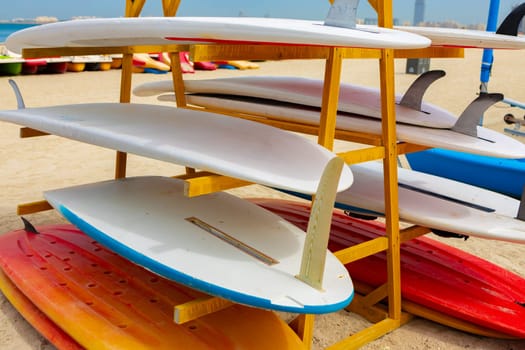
(463, 11)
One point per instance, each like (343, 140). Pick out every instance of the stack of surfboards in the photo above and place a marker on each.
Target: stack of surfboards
(506, 176)
(45, 270)
(216, 243)
(299, 100)
(450, 206)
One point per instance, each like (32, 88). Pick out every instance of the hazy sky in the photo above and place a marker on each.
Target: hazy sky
(464, 11)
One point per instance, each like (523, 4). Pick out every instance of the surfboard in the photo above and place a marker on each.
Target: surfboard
(229, 146)
(488, 142)
(479, 296)
(115, 304)
(506, 176)
(354, 99)
(233, 30)
(466, 38)
(292, 99)
(438, 203)
(251, 256)
(446, 206)
(144, 60)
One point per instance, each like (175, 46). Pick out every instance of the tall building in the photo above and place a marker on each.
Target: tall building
(419, 12)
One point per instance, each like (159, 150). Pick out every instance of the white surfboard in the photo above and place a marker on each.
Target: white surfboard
(437, 203)
(355, 99)
(238, 30)
(466, 38)
(229, 146)
(216, 243)
(488, 142)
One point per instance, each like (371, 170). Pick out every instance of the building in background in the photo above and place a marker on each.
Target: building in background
(419, 12)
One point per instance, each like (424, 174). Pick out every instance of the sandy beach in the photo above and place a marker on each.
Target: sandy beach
(30, 166)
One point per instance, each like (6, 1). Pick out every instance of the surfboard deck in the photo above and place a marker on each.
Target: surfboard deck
(234, 30)
(217, 243)
(506, 176)
(354, 99)
(439, 277)
(466, 38)
(488, 142)
(437, 203)
(119, 305)
(208, 141)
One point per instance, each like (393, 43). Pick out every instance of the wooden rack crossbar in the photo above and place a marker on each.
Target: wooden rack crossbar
(194, 309)
(206, 52)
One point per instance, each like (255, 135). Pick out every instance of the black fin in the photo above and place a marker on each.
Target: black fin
(343, 13)
(469, 120)
(413, 97)
(448, 234)
(511, 23)
(28, 227)
(18, 94)
(360, 216)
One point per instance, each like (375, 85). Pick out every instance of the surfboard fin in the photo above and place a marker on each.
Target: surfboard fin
(318, 231)
(469, 120)
(343, 13)
(360, 216)
(28, 227)
(448, 234)
(18, 94)
(413, 97)
(511, 23)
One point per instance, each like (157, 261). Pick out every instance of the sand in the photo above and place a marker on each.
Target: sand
(30, 166)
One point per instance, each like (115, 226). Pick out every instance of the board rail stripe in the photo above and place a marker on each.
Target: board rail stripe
(447, 198)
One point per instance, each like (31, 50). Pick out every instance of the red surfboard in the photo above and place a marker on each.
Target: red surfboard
(102, 301)
(453, 285)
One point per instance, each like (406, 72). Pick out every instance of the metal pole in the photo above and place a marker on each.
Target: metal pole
(488, 57)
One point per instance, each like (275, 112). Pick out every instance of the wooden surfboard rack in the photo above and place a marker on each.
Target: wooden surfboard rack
(383, 147)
